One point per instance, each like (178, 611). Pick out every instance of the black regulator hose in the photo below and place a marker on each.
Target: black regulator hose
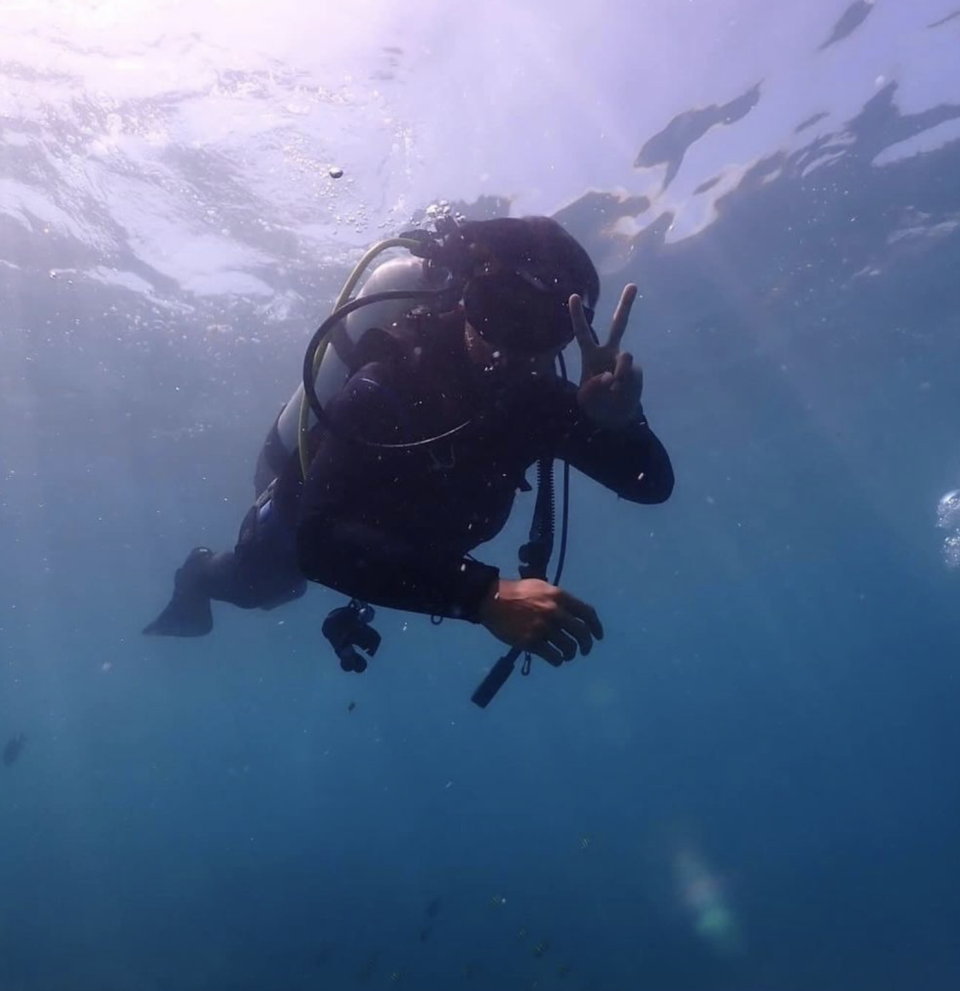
(320, 335)
(317, 341)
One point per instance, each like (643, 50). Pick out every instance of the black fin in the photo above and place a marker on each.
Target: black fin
(185, 616)
(188, 614)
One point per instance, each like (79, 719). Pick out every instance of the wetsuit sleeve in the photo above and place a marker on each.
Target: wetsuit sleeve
(630, 461)
(340, 546)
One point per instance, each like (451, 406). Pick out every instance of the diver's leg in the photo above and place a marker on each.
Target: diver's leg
(261, 573)
(267, 573)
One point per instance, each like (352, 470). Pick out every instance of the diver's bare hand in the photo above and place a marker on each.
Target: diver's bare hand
(541, 618)
(610, 383)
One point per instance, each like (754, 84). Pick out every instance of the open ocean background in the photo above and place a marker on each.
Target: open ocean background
(752, 784)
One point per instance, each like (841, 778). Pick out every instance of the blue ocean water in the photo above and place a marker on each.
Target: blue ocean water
(750, 785)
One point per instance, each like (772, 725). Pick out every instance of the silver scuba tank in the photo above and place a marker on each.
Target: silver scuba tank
(408, 273)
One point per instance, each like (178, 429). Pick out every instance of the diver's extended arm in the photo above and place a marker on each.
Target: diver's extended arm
(609, 438)
(629, 460)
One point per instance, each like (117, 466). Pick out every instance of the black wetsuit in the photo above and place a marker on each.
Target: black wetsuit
(396, 527)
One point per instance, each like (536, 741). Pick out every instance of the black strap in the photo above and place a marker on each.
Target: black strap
(534, 560)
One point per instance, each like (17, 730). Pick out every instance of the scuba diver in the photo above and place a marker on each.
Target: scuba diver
(444, 393)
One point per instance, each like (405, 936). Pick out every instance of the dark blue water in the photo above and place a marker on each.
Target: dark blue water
(752, 785)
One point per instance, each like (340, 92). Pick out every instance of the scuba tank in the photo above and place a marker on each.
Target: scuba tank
(412, 275)
(428, 278)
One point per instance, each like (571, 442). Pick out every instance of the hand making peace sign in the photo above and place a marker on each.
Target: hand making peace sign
(610, 383)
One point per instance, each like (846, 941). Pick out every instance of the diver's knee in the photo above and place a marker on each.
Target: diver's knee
(290, 594)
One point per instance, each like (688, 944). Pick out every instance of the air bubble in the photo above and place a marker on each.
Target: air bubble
(948, 511)
(951, 551)
(948, 518)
